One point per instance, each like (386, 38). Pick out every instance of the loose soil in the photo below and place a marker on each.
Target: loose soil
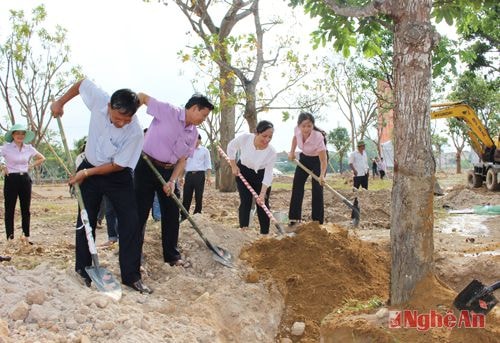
(332, 277)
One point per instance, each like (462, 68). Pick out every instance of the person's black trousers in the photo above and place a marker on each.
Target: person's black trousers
(17, 185)
(360, 181)
(119, 189)
(194, 182)
(146, 184)
(246, 197)
(299, 179)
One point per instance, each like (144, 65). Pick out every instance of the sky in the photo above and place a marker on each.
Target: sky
(133, 44)
(128, 44)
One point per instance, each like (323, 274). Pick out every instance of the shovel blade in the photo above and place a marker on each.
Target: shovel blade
(475, 297)
(223, 256)
(105, 282)
(355, 212)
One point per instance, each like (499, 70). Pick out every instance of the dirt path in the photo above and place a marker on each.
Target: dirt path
(277, 281)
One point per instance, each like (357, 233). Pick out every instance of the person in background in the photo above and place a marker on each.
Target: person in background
(111, 223)
(170, 140)
(256, 162)
(113, 148)
(382, 167)
(374, 167)
(194, 180)
(358, 161)
(20, 157)
(311, 140)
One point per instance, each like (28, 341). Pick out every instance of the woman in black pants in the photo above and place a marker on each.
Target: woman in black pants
(256, 162)
(18, 155)
(311, 141)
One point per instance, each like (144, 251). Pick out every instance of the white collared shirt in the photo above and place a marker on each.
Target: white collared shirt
(359, 162)
(253, 158)
(200, 161)
(106, 143)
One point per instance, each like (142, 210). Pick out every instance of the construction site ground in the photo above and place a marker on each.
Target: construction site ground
(332, 280)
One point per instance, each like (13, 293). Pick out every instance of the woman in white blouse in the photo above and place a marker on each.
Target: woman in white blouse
(256, 162)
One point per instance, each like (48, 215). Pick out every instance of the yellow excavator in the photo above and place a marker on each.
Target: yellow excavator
(488, 169)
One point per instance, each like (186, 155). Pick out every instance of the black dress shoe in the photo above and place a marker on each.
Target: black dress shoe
(139, 286)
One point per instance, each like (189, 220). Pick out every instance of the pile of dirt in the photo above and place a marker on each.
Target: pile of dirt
(318, 270)
(459, 195)
(430, 294)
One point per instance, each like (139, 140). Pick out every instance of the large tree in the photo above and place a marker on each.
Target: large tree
(34, 68)
(243, 59)
(414, 167)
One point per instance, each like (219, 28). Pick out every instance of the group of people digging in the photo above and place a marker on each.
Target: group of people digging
(113, 168)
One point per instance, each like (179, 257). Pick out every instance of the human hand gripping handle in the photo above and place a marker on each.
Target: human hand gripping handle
(258, 199)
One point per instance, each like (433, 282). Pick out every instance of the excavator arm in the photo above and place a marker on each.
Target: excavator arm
(481, 141)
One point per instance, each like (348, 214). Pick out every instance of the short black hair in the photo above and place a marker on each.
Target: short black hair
(199, 100)
(125, 101)
(263, 125)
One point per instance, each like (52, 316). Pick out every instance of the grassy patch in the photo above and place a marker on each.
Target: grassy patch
(354, 305)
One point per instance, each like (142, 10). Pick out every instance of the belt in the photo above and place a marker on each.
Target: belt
(160, 163)
(195, 171)
(20, 174)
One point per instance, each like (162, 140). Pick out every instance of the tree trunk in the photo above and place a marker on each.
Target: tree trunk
(414, 166)
(227, 125)
(458, 159)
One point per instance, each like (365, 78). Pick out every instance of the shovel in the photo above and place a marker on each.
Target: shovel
(219, 254)
(354, 207)
(255, 195)
(103, 279)
(477, 297)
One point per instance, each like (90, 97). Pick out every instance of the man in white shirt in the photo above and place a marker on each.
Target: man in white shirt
(358, 161)
(194, 180)
(112, 150)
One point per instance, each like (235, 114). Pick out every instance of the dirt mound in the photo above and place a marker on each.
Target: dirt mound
(456, 197)
(430, 294)
(317, 270)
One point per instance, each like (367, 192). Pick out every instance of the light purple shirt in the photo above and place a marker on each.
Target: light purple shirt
(15, 160)
(168, 138)
(313, 145)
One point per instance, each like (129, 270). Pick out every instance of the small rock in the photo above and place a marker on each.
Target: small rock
(20, 311)
(4, 328)
(298, 328)
(252, 277)
(382, 313)
(85, 339)
(36, 296)
(286, 340)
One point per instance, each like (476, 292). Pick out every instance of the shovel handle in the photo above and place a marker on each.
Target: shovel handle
(181, 207)
(315, 177)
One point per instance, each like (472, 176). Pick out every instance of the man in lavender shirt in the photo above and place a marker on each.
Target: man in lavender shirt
(169, 141)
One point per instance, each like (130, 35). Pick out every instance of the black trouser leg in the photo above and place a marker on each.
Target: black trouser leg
(92, 198)
(144, 187)
(10, 193)
(198, 191)
(146, 183)
(25, 203)
(121, 194)
(187, 193)
(245, 203)
(299, 180)
(318, 206)
(255, 181)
